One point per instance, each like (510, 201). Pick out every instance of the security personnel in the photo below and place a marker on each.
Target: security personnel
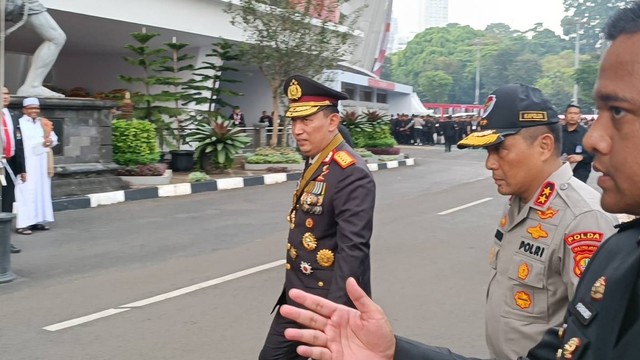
(331, 217)
(549, 229)
(602, 322)
(572, 149)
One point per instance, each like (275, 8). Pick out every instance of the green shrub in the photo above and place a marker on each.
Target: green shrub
(364, 153)
(143, 170)
(386, 158)
(267, 155)
(217, 142)
(198, 176)
(134, 143)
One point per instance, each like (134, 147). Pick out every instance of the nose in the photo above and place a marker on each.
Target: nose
(490, 163)
(596, 140)
(296, 127)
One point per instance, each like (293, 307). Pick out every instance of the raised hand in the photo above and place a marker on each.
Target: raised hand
(338, 332)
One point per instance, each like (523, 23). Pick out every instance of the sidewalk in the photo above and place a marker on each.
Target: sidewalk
(179, 186)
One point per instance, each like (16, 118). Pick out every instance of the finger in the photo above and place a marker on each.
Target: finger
(307, 336)
(304, 317)
(314, 303)
(316, 353)
(360, 299)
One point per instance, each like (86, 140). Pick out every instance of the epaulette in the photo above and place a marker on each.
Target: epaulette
(344, 159)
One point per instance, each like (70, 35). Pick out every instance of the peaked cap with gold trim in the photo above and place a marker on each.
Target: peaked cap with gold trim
(507, 110)
(307, 96)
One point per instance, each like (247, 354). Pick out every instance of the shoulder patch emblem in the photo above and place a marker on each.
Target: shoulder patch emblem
(344, 159)
(583, 236)
(581, 256)
(545, 194)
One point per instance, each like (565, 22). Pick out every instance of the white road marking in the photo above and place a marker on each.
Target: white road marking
(84, 319)
(165, 296)
(465, 206)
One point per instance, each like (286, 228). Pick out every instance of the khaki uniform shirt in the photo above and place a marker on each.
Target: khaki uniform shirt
(538, 256)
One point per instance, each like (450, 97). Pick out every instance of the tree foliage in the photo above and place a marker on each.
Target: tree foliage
(287, 37)
(440, 63)
(591, 16)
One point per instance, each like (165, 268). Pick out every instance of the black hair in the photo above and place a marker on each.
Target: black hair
(554, 129)
(331, 109)
(572, 106)
(624, 21)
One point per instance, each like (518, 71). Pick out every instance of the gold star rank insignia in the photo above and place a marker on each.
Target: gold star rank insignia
(546, 193)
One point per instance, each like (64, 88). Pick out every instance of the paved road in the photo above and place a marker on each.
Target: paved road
(429, 270)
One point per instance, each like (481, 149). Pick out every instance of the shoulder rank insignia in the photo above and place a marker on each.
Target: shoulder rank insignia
(545, 194)
(344, 159)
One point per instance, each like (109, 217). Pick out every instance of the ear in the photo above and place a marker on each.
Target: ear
(546, 145)
(334, 121)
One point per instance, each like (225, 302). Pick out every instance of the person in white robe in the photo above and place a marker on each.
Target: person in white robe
(33, 197)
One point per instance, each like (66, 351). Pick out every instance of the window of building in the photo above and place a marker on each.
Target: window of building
(350, 91)
(381, 97)
(366, 95)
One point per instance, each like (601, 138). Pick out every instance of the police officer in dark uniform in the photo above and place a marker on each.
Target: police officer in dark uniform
(331, 217)
(602, 322)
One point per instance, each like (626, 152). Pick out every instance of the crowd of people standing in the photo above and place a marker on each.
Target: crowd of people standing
(431, 130)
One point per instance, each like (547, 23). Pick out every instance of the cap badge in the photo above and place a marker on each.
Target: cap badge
(533, 116)
(294, 92)
(488, 105)
(325, 258)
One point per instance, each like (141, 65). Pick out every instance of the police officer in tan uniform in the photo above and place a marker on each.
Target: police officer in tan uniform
(549, 229)
(331, 217)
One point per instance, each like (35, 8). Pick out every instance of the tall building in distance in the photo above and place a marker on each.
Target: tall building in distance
(433, 13)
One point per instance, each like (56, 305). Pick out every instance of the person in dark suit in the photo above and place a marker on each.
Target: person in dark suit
(13, 152)
(602, 322)
(572, 148)
(448, 128)
(331, 217)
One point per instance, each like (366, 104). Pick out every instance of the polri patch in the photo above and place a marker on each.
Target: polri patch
(583, 236)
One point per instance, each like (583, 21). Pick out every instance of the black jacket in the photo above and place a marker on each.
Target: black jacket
(336, 210)
(572, 144)
(602, 321)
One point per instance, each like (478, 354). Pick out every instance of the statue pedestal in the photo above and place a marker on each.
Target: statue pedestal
(83, 157)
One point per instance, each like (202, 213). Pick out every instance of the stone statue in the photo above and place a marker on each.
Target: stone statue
(34, 14)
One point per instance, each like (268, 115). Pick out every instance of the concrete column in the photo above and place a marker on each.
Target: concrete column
(260, 135)
(5, 248)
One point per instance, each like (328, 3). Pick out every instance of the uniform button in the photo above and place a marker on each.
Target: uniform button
(564, 186)
(320, 283)
(288, 266)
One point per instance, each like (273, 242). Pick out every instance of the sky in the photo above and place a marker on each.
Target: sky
(519, 14)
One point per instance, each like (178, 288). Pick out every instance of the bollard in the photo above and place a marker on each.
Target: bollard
(5, 248)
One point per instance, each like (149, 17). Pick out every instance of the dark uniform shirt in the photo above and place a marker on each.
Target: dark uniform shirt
(572, 145)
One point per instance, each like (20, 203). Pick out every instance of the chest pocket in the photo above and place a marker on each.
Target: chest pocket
(526, 300)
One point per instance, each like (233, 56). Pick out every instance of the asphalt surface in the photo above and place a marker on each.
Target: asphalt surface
(429, 270)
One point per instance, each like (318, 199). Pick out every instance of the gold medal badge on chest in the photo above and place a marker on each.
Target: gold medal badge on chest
(309, 241)
(325, 258)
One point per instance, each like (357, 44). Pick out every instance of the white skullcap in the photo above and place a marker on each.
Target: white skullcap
(30, 101)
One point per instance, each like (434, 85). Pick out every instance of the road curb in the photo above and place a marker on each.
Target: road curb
(154, 192)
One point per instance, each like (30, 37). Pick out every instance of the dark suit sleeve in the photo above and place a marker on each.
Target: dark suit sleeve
(547, 347)
(17, 164)
(412, 350)
(354, 202)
